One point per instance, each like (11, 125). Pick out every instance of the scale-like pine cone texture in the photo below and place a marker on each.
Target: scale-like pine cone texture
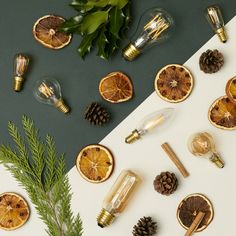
(165, 183)
(96, 114)
(145, 227)
(211, 61)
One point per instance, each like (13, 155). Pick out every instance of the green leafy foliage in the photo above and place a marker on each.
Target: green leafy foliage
(101, 23)
(37, 167)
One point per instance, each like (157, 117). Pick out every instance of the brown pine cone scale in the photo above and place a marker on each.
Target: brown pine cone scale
(211, 61)
(145, 227)
(165, 183)
(96, 114)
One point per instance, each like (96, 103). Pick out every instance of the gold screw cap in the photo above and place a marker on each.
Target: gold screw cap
(61, 106)
(222, 35)
(217, 160)
(18, 83)
(133, 137)
(130, 52)
(105, 218)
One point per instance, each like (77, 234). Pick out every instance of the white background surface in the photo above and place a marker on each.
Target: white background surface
(147, 158)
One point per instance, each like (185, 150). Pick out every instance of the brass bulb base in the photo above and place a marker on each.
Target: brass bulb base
(130, 52)
(133, 137)
(61, 106)
(222, 35)
(105, 218)
(216, 159)
(18, 83)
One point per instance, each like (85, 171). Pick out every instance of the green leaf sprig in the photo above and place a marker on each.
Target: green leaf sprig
(38, 168)
(101, 23)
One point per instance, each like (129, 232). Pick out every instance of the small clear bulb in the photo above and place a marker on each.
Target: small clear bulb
(203, 145)
(215, 19)
(154, 27)
(155, 121)
(118, 197)
(48, 91)
(21, 63)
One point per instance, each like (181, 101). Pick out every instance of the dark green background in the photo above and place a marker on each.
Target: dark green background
(79, 79)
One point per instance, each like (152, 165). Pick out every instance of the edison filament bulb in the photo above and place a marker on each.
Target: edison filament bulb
(151, 123)
(118, 197)
(48, 91)
(154, 27)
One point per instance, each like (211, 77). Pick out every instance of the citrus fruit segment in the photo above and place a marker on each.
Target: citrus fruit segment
(190, 207)
(95, 163)
(14, 211)
(116, 87)
(231, 89)
(174, 83)
(222, 114)
(46, 32)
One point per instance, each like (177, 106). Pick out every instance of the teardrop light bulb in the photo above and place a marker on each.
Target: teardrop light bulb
(154, 27)
(48, 91)
(151, 123)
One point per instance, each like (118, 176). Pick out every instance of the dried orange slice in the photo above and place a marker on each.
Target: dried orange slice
(231, 89)
(95, 163)
(222, 114)
(190, 207)
(174, 83)
(116, 87)
(14, 211)
(46, 32)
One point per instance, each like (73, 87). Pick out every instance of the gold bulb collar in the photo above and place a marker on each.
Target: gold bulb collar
(222, 35)
(130, 52)
(18, 83)
(133, 137)
(105, 218)
(216, 159)
(61, 106)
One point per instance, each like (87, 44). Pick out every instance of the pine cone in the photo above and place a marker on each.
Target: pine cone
(165, 183)
(211, 61)
(96, 114)
(145, 227)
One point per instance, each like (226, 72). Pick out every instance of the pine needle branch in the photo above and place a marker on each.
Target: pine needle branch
(38, 168)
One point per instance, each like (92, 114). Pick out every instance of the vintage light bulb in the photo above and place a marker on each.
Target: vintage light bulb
(203, 145)
(118, 197)
(21, 63)
(215, 19)
(154, 27)
(152, 122)
(48, 91)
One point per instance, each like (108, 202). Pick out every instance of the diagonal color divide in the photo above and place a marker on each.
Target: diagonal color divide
(147, 158)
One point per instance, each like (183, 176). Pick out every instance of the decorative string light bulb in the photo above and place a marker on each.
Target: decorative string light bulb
(150, 123)
(154, 27)
(203, 145)
(48, 91)
(215, 19)
(21, 63)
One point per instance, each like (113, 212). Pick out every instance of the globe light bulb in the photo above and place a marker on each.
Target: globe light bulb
(21, 63)
(48, 91)
(203, 145)
(118, 197)
(153, 122)
(154, 27)
(215, 19)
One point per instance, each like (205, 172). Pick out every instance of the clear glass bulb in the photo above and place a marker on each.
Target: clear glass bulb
(216, 21)
(48, 91)
(154, 27)
(153, 122)
(21, 63)
(118, 197)
(203, 145)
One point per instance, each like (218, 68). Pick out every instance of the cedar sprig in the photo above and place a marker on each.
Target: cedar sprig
(37, 167)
